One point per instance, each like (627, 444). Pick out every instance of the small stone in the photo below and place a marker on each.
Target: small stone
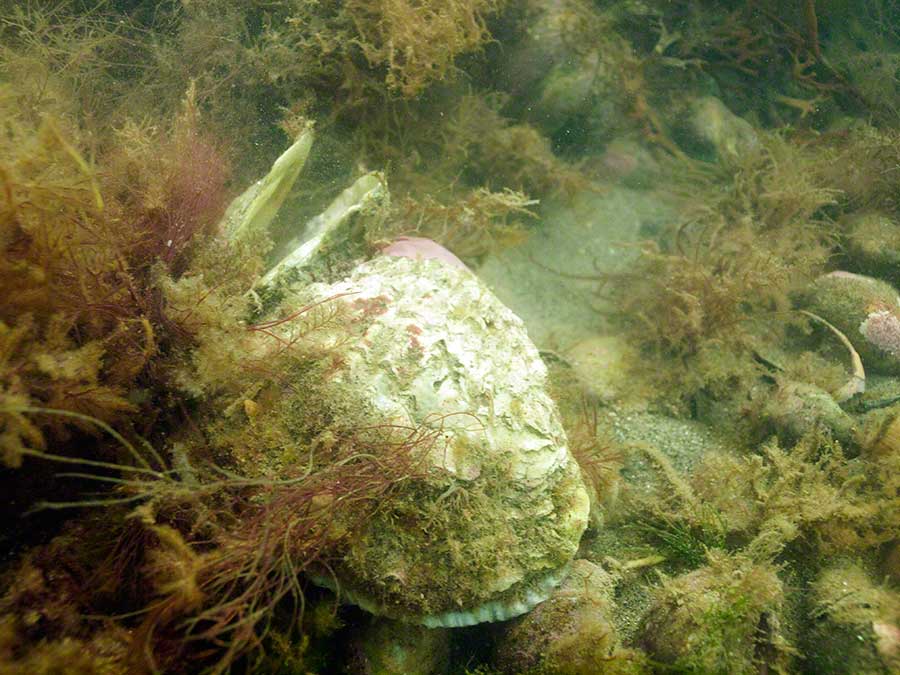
(714, 126)
(386, 647)
(601, 363)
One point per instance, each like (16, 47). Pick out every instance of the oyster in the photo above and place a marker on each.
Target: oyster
(490, 528)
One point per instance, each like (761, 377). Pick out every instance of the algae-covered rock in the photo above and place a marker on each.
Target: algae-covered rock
(867, 311)
(797, 408)
(601, 365)
(388, 647)
(722, 618)
(569, 633)
(490, 528)
(714, 130)
(856, 624)
(567, 69)
(872, 244)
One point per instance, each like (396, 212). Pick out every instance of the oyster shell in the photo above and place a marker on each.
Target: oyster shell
(494, 523)
(490, 531)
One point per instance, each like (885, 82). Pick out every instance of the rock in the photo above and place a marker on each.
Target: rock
(601, 364)
(867, 311)
(719, 619)
(386, 647)
(571, 632)
(856, 624)
(716, 131)
(797, 408)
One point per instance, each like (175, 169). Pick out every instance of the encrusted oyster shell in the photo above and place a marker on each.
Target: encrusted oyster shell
(492, 529)
(492, 526)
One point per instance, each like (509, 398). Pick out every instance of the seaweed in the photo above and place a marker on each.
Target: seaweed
(758, 519)
(740, 45)
(684, 543)
(496, 151)
(124, 315)
(60, 274)
(799, 506)
(338, 60)
(468, 179)
(221, 588)
(200, 566)
(599, 457)
(88, 66)
(700, 298)
(417, 40)
(82, 318)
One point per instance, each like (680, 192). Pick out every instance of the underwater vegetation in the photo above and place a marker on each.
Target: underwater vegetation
(213, 464)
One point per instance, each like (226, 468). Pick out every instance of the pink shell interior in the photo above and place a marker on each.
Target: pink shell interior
(420, 248)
